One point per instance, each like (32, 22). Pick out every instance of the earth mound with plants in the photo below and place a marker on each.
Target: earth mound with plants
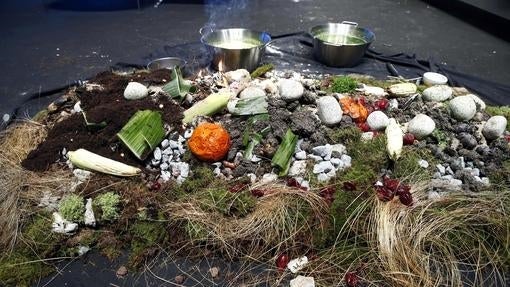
(325, 180)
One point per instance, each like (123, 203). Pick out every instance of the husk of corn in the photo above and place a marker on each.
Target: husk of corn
(85, 159)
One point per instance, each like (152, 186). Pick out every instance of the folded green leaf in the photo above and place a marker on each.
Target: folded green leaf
(248, 106)
(93, 126)
(249, 126)
(284, 152)
(143, 133)
(256, 138)
(178, 87)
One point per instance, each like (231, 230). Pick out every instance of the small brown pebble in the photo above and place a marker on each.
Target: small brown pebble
(229, 164)
(122, 271)
(179, 279)
(215, 271)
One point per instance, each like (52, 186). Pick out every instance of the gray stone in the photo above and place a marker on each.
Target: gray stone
(347, 160)
(290, 90)
(323, 150)
(300, 155)
(377, 120)
(494, 127)
(323, 167)
(449, 170)
(480, 104)
(421, 126)
(329, 111)
(252, 92)
(438, 93)
(314, 157)
(90, 219)
(463, 108)
(468, 141)
(336, 161)
(135, 91)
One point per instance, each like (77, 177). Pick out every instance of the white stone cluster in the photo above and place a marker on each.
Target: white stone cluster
(167, 157)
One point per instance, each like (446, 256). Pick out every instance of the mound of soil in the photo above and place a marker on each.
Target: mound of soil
(108, 105)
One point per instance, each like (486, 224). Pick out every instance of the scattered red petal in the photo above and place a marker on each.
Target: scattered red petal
(282, 261)
(406, 198)
(362, 101)
(403, 189)
(364, 127)
(349, 186)
(391, 183)
(381, 104)
(507, 137)
(155, 186)
(384, 194)
(327, 194)
(292, 182)
(351, 279)
(257, 192)
(409, 139)
(237, 187)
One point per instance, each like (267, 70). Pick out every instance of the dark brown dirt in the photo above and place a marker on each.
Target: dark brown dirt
(106, 105)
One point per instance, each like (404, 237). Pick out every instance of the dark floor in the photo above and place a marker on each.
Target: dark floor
(48, 43)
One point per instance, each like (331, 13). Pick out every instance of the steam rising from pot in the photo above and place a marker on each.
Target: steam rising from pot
(226, 13)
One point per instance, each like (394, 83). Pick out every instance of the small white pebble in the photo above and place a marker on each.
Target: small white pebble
(423, 163)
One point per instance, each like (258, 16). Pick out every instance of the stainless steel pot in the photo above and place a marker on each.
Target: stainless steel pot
(166, 63)
(225, 58)
(339, 52)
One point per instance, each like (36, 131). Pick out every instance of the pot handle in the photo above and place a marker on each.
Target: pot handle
(205, 30)
(350, 23)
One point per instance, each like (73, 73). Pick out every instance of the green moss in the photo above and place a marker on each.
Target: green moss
(146, 235)
(23, 265)
(109, 205)
(72, 208)
(441, 137)
(407, 167)
(202, 177)
(40, 116)
(343, 84)
(344, 135)
(500, 111)
(370, 81)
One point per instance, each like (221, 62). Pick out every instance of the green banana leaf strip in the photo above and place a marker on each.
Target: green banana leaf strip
(143, 133)
(93, 126)
(249, 126)
(256, 139)
(178, 87)
(250, 106)
(284, 153)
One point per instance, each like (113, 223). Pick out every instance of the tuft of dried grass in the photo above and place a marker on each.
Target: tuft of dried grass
(278, 221)
(21, 190)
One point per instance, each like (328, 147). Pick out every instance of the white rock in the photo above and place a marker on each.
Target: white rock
(305, 184)
(494, 127)
(302, 281)
(455, 182)
(268, 177)
(485, 180)
(323, 167)
(82, 250)
(329, 110)
(6, 118)
(188, 133)
(164, 143)
(77, 107)
(163, 166)
(347, 160)
(438, 93)
(48, 201)
(173, 144)
(180, 179)
(135, 91)
(240, 75)
(290, 90)
(463, 108)
(441, 169)
(431, 79)
(157, 153)
(252, 177)
(168, 151)
(314, 157)
(60, 225)
(268, 86)
(421, 126)
(423, 163)
(373, 91)
(90, 219)
(165, 175)
(337, 150)
(323, 177)
(377, 120)
(434, 195)
(393, 104)
(336, 161)
(298, 167)
(297, 264)
(300, 155)
(323, 150)
(252, 92)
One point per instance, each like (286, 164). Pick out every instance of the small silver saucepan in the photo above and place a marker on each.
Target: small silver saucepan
(235, 48)
(340, 44)
(166, 63)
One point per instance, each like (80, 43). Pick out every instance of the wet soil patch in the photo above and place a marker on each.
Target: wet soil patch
(103, 105)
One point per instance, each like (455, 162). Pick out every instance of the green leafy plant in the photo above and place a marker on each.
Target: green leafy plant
(178, 87)
(109, 204)
(72, 208)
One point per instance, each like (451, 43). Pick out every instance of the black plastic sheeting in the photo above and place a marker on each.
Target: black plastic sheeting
(294, 52)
